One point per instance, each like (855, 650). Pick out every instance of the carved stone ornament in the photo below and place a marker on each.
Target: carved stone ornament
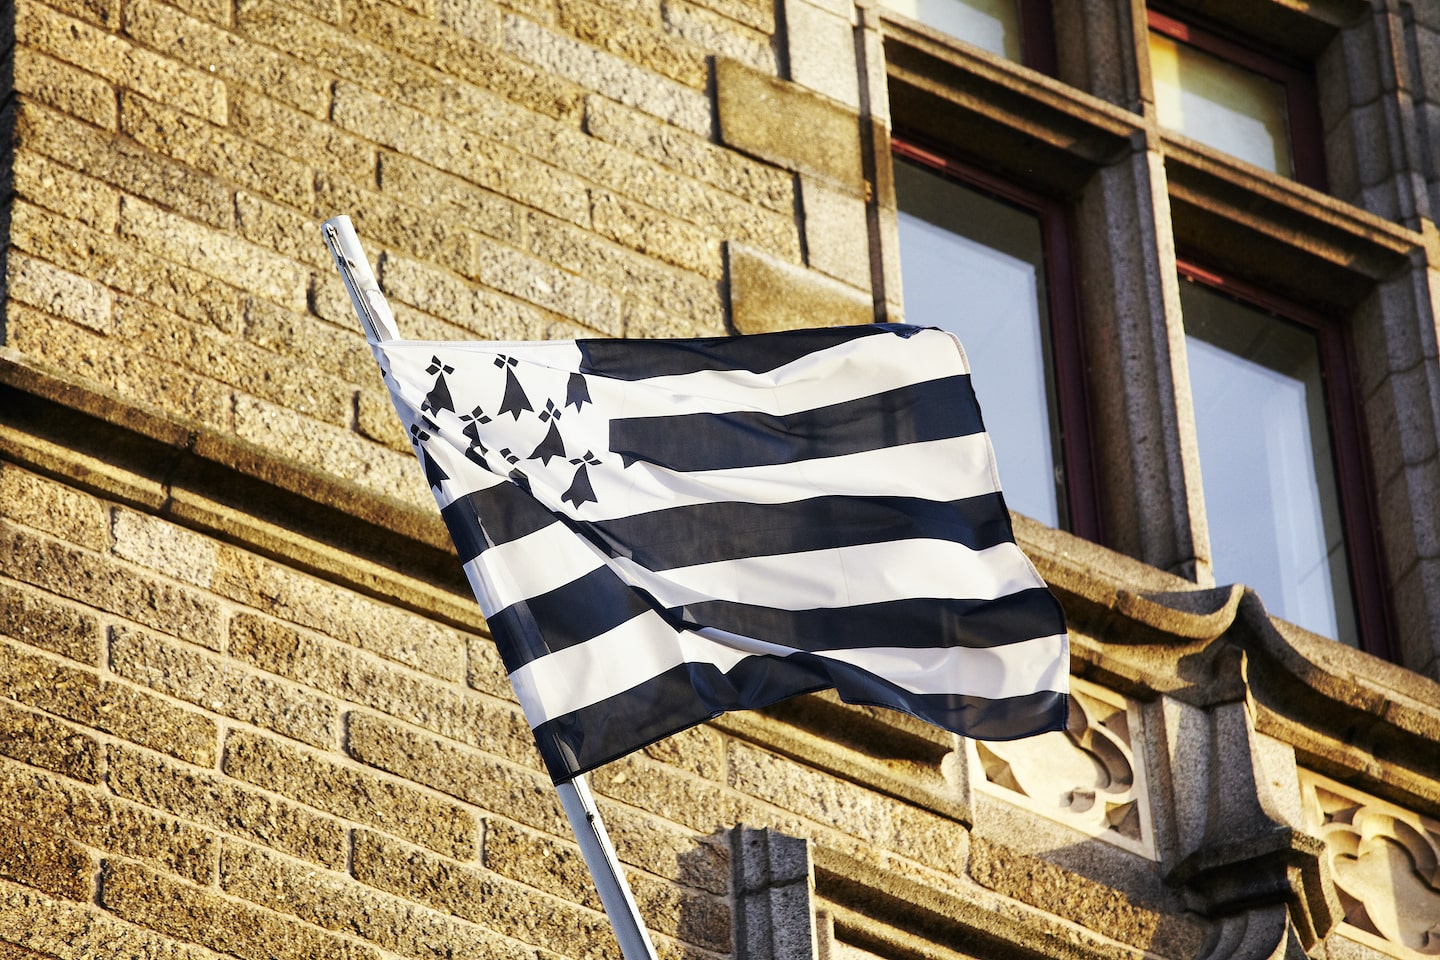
(1385, 862)
(1090, 777)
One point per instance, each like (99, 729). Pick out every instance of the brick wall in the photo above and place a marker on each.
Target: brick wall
(247, 705)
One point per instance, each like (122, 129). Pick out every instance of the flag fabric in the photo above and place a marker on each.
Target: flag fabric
(659, 531)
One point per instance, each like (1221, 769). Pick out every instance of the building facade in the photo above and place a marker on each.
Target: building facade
(249, 706)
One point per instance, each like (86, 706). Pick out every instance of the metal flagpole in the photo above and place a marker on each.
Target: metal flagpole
(605, 871)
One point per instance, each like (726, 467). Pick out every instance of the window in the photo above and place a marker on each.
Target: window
(1232, 97)
(984, 260)
(1267, 385)
(1017, 30)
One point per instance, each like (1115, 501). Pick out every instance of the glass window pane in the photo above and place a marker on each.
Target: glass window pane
(1220, 104)
(975, 266)
(992, 25)
(1266, 462)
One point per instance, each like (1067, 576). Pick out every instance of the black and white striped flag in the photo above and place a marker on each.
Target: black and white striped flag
(662, 530)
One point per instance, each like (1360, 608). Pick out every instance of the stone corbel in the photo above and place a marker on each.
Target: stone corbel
(1242, 855)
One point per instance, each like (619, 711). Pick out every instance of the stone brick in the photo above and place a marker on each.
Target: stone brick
(335, 902)
(39, 620)
(216, 11)
(303, 337)
(104, 13)
(481, 313)
(634, 133)
(621, 270)
(44, 182)
(607, 74)
(873, 818)
(484, 670)
(118, 369)
(215, 254)
(645, 319)
(759, 14)
(766, 294)
(361, 678)
(469, 156)
(789, 126)
(335, 451)
(60, 929)
(120, 62)
(164, 547)
(375, 416)
(457, 54)
(537, 281)
(116, 161)
(58, 292)
(31, 854)
(123, 268)
(416, 231)
(96, 581)
(837, 236)
(314, 142)
(44, 504)
(305, 601)
(98, 820)
(653, 233)
(637, 42)
(218, 802)
(558, 868)
(65, 88)
(822, 51)
(506, 907)
(464, 772)
(294, 385)
(697, 860)
(80, 695)
(224, 687)
(352, 793)
(32, 737)
(227, 57)
(698, 750)
(396, 78)
(480, 210)
(184, 910)
(719, 35)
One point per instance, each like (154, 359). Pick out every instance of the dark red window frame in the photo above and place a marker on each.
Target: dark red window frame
(1066, 342)
(1037, 36)
(1353, 471)
(1302, 100)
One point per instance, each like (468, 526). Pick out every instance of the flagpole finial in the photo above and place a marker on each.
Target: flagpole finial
(370, 304)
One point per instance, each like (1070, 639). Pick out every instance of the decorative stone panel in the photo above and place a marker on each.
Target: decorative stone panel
(1385, 863)
(1090, 777)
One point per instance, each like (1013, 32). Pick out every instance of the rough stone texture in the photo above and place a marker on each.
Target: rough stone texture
(767, 295)
(247, 708)
(788, 126)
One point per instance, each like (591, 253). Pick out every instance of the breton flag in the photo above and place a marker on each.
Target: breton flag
(659, 531)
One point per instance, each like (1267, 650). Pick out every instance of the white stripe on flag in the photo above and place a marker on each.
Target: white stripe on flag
(941, 470)
(534, 564)
(645, 647)
(843, 576)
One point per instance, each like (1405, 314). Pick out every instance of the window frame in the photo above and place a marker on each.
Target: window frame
(1063, 324)
(1353, 469)
(1302, 98)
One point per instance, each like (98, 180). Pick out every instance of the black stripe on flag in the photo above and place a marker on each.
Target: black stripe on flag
(726, 530)
(758, 353)
(573, 613)
(692, 693)
(487, 518)
(933, 410)
(920, 623)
